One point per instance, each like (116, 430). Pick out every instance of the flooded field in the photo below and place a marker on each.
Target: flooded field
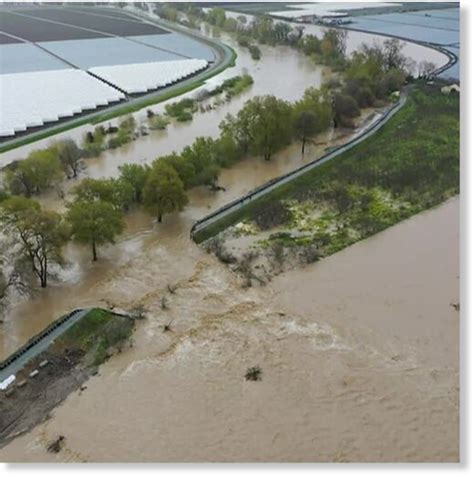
(359, 359)
(360, 346)
(87, 284)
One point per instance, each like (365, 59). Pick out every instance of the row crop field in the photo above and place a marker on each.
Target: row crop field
(57, 62)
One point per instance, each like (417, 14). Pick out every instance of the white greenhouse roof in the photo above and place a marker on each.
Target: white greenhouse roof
(143, 77)
(37, 97)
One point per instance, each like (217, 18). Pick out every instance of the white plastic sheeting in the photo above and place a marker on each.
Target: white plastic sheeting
(34, 98)
(6, 382)
(143, 77)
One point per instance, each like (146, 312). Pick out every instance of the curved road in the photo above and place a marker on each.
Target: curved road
(36, 345)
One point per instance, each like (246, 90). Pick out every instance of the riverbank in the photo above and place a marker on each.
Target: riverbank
(359, 359)
(361, 192)
(49, 376)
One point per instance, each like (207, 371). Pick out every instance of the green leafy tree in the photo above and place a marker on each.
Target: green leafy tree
(164, 190)
(269, 121)
(216, 16)
(70, 157)
(33, 175)
(201, 154)
(135, 175)
(41, 234)
(118, 192)
(94, 222)
(183, 167)
(305, 125)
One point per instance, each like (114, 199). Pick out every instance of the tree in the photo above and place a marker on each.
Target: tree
(216, 16)
(393, 56)
(34, 174)
(70, 157)
(306, 124)
(333, 46)
(311, 115)
(202, 155)
(268, 121)
(345, 107)
(94, 222)
(41, 234)
(118, 192)
(134, 175)
(183, 167)
(164, 190)
(425, 68)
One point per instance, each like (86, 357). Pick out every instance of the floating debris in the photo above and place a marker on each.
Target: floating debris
(254, 374)
(56, 445)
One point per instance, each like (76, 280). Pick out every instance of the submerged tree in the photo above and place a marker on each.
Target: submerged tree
(164, 190)
(70, 157)
(268, 121)
(94, 222)
(306, 124)
(134, 175)
(40, 234)
(39, 171)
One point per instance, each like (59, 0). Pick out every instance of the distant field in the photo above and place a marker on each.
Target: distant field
(30, 29)
(38, 42)
(5, 39)
(125, 26)
(56, 24)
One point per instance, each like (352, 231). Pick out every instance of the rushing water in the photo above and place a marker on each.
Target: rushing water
(119, 277)
(359, 354)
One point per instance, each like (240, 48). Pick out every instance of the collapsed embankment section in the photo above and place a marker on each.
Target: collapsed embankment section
(55, 363)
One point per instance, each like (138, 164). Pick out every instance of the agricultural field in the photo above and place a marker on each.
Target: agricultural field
(105, 45)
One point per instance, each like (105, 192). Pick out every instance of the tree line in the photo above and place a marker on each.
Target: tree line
(95, 214)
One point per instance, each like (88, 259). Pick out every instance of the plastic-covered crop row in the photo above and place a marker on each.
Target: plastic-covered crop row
(143, 77)
(35, 98)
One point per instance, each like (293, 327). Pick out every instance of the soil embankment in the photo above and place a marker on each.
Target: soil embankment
(63, 367)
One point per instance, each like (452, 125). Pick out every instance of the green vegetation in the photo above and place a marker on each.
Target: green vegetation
(37, 236)
(125, 133)
(158, 121)
(95, 334)
(182, 110)
(237, 84)
(372, 186)
(39, 171)
(70, 157)
(94, 221)
(164, 191)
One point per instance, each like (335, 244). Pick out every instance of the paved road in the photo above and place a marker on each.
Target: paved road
(21, 357)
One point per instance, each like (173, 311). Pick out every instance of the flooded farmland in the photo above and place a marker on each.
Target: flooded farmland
(282, 72)
(344, 362)
(338, 354)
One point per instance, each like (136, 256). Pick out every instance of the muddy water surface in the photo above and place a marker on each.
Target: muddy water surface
(79, 285)
(359, 355)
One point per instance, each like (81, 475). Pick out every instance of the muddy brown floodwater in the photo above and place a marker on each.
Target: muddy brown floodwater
(282, 72)
(359, 355)
(334, 383)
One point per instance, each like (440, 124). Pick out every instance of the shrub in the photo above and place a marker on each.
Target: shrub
(270, 214)
(254, 374)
